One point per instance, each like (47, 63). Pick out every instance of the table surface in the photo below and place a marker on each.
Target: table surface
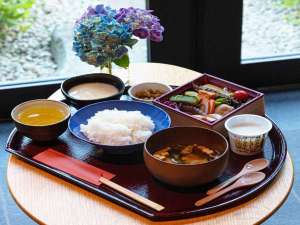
(51, 200)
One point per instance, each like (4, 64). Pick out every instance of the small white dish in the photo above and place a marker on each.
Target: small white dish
(247, 133)
(147, 86)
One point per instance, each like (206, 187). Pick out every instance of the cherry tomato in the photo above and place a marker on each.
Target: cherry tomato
(241, 95)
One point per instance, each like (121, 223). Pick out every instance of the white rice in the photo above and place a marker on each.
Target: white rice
(118, 127)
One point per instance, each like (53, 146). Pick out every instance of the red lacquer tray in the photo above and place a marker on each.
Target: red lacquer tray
(131, 173)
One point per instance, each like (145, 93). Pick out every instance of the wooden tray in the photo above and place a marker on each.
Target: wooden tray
(131, 173)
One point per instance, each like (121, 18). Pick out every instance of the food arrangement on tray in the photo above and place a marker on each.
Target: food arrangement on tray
(208, 101)
(185, 145)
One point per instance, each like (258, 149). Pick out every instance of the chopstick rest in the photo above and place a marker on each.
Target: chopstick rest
(131, 194)
(72, 166)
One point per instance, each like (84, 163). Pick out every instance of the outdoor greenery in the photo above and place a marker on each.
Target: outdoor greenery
(293, 15)
(13, 14)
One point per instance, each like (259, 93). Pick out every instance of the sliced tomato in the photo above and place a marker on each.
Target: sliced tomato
(208, 105)
(205, 105)
(211, 106)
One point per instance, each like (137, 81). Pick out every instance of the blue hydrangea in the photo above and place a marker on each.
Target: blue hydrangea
(100, 40)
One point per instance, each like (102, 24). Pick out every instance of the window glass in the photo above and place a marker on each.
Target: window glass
(271, 30)
(41, 45)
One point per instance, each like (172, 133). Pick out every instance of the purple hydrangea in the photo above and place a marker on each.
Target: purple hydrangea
(102, 35)
(98, 10)
(142, 22)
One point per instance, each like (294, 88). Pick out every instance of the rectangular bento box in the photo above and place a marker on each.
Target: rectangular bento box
(253, 106)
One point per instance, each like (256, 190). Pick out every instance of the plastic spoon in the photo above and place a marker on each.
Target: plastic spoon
(246, 180)
(251, 166)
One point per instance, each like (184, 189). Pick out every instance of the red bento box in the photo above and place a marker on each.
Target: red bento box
(254, 106)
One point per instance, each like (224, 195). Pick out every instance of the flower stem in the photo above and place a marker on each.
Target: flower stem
(109, 66)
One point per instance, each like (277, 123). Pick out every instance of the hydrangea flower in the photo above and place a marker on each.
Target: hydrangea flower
(102, 35)
(98, 10)
(100, 40)
(142, 22)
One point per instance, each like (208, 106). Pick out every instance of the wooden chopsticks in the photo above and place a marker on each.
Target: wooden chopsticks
(131, 194)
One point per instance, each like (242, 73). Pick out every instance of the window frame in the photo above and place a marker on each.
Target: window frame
(215, 46)
(17, 92)
(274, 72)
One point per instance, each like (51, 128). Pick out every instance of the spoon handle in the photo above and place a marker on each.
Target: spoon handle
(215, 195)
(224, 184)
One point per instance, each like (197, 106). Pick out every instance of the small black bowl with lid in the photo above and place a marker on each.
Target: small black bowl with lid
(95, 78)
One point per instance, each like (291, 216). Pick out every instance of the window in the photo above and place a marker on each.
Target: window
(268, 33)
(45, 48)
(209, 36)
(41, 55)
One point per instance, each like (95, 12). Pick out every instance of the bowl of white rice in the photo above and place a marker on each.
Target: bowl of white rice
(118, 127)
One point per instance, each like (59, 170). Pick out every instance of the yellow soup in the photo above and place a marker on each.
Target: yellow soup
(41, 115)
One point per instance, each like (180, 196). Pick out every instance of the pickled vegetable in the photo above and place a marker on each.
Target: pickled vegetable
(185, 99)
(192, 93)
(220, 91)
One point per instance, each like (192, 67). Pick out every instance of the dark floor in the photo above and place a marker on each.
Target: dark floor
(282, 107)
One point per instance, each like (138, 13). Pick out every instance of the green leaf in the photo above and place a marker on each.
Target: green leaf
(290, 3)
(131, 42)
(14, 12)
(24, 27)
(122, 62)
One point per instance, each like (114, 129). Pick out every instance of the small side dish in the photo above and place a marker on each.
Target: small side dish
(208, 102)
(118, 127)
(92, 91)
(186, 154)
(147, 92)
(42, 119)
(247, 133)
(91, 88)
